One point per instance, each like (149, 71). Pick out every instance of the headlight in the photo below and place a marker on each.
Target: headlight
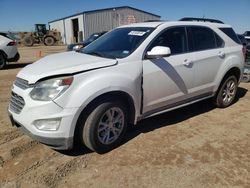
(50, 89)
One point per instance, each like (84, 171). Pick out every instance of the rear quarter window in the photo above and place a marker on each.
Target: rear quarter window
(230, 33)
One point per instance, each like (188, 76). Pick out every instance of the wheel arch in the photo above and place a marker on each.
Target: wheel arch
(232, 71)
(111, 95)
(4, 54)
(121, 95)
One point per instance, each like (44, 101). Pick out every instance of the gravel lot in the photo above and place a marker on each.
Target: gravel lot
(196, 146)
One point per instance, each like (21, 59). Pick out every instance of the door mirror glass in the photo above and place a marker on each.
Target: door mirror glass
(77, 48)
(159, 51)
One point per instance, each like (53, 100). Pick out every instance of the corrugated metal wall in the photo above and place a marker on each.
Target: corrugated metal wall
(93, 22)
(109, 19)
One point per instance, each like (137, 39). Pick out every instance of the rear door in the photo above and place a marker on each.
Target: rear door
(208, 56)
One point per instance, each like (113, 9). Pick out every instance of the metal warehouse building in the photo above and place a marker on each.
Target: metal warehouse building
(82, 25)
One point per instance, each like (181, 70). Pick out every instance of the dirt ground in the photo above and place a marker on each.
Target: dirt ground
(196, 146)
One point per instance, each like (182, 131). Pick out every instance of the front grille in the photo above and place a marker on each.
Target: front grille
(23, 84)
(16, 103)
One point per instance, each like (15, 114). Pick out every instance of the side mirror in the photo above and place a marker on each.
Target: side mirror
(158, 51)
(77, 48)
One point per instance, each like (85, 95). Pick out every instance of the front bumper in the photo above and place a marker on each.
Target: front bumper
(56, 143)
(37, 110)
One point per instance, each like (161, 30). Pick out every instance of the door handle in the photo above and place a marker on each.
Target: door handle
(221, 54)
(187, 63)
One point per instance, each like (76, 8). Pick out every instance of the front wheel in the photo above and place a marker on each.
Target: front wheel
(105, 126)
(49, 41)
(227, 92)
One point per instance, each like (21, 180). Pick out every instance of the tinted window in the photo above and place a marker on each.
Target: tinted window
(248, 47)
(219, 42)
(5, 35)
(202, 38)
(247, 33)
(118, 43)
(174, 38)
(242, 39)
(92, 38)
(230, 32)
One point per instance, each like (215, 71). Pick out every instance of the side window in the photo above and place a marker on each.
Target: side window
(230, 33)
(174, 38)
(219, 42)
(201, 38)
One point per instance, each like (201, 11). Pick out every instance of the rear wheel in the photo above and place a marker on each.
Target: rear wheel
(227, 92)
(49, 41)
(105, 126)
(28, 41)
(2, 61)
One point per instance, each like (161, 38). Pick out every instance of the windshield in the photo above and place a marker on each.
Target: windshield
(118, 43)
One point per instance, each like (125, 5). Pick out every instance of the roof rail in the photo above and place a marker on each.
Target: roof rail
(201, 20)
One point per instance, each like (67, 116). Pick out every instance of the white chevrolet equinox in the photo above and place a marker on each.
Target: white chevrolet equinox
(130, 73)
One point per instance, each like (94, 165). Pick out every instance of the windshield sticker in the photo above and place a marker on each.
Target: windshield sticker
(136, 33)
(125, 51)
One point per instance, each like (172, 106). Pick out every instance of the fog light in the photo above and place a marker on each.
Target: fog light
(47, 124)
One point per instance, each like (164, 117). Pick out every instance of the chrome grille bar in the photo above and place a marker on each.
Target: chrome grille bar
(16, 103)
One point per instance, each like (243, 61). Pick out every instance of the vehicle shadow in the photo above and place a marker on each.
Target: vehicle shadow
(166, 119)
(76, 151)
(176, 116)
(16, 65)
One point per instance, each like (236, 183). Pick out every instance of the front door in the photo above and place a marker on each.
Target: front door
(168, 80)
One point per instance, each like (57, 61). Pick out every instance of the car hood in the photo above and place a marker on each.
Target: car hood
(61, 64)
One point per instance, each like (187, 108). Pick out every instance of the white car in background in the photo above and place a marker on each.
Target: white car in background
(131, 73)
(8, 49)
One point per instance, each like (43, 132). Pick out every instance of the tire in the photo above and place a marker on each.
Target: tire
(28, 41)
(2, 61)
(245, 78)
(49, 41)
(226, 92)
(98, 132)
(15, 59)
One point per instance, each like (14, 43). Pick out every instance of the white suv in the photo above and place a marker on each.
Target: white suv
(130, 73)
(8, 50)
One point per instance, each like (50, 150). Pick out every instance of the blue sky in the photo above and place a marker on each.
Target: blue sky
(21, 15)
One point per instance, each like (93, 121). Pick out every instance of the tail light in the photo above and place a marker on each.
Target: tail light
(12, 43)
(244, 52)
